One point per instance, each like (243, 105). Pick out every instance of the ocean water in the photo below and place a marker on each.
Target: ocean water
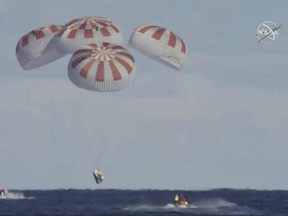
(143, 202)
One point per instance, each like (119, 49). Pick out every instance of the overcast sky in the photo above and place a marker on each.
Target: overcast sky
(220, 122)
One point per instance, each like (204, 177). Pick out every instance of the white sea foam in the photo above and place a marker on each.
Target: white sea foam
(213, 203)
(14, 195)
(202, 206)
(167, 207)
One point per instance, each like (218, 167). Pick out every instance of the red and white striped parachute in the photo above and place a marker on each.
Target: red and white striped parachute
(31, 50)
(103, 67)
(160, 44)
(79, 32)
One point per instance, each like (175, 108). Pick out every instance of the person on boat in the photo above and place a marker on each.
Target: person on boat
(183, 200)
(176, 198)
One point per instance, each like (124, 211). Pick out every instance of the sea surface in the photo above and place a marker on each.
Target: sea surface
(143, 202)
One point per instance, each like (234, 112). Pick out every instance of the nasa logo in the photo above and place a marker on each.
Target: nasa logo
(268, 32)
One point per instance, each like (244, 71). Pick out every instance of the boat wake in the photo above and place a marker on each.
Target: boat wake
(14, 196)
(214, 203)
(205, 206)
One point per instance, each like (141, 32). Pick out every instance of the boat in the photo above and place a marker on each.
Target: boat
(3, 193)
(182, 204)
(181, 201)
(99, 177)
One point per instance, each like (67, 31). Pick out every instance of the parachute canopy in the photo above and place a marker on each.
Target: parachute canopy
(98, 176)
(31, 50)
(79, 32)
(103, 67)
(160, 44)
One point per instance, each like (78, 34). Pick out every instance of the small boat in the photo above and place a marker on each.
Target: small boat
(182, 204)
(181, 201)
(99, 177)
(3, 193)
